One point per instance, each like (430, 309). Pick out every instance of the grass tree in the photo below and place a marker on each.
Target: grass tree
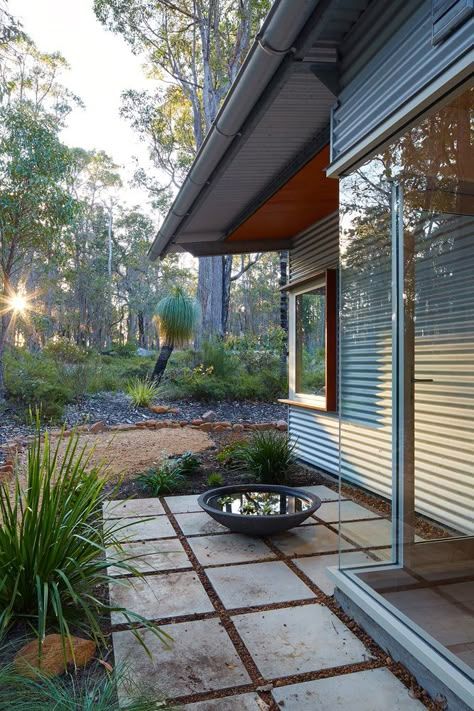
(176, 316)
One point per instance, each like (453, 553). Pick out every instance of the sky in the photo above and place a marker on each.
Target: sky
(102, 66)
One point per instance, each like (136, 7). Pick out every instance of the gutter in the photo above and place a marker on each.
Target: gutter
(272, 44)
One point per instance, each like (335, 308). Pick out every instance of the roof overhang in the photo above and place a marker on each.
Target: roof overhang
(259, 177)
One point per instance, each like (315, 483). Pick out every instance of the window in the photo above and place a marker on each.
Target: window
(313, 342)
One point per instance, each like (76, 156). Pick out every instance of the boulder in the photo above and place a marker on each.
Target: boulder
(282, 425)
(97, 427)
(197, 422)
(151, 424)
(207, 426)
(209, 416)
(159, 409)
(238, 428)
(54, 659)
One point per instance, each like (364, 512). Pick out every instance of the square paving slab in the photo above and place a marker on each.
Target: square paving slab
(307, 540)
(295, 640)
(137, 529)
(133, 508)
(229, 548)
(315, 567)
(370, 533)
(350, 511)
(183, 504)
(242, 702)
(257, 584)
(324, 492)
(158, 596)
(198, 523)
(202, 658)
(149, 556)
(373, 690)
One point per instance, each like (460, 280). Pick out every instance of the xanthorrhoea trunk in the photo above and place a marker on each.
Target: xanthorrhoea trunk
(162, 362)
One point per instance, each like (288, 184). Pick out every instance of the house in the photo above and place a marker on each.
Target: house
(348, 139)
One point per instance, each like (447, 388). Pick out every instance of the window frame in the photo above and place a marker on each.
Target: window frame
(328, 280)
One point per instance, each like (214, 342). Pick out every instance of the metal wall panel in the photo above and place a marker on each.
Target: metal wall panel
(316, 433)
(388, 60)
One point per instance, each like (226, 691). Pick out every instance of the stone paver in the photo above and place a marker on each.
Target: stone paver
(315, 567)
(202, 658)
(183, 504)
(242, 702)
(136, 529)
(149, 556)
(133, 508)
(229, 548)
(158, 596)
(257, 584)
(198, 523)
(373, 690)
(308, 540)
(324, 492)
(350, 511)
(370, 533)
(295, 640)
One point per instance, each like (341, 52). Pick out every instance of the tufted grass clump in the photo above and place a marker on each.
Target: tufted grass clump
(142, 392)
(268, 455)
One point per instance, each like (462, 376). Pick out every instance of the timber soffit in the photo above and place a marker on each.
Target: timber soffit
(283, 49)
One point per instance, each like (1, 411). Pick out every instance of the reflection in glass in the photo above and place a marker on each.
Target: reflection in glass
(424, 567)
(257, 503)
(310, 342)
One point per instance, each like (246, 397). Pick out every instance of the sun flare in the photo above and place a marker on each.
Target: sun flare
(18, 303)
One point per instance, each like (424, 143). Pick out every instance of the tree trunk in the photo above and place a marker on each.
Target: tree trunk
(162, 362)
(141, 330)
(210, 294)
(284, 312)
(4, 324)
(227, 274)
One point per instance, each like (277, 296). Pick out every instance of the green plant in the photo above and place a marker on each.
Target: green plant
(215, 479)
(226, 454)
(68, 693)
(65, 351)
(167, 479)
(268, 455)
(142, 392)
(176, 315)
(53, 545)
(187, 463)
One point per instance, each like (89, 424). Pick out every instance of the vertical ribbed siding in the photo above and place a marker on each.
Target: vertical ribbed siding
(387, 61)
(316, 433)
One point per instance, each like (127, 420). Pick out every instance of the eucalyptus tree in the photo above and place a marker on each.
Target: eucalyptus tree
(176, 315)
(195, 49)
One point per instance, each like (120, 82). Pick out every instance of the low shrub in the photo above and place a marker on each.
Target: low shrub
(215, 479)
(187, 463)
(65, 351)
(167, 479)
(267, 455)
(227, 453)
(142, 392)
(53, 545)
(67, 693)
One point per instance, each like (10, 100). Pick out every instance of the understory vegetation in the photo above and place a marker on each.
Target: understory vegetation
(236, 369)
(267, 456)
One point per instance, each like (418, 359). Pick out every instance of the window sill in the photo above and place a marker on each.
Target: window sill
(306, 405)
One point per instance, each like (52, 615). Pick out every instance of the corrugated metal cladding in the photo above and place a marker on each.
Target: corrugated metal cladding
(316, 433)
(386, 60)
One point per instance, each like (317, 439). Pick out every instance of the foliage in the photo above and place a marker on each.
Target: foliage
(215, 479)
(226, 454)
(142, 392)
(167, 479)
(176, 315)
(268, 455)
(187, 462)
(67, 693)
(65, 351)
(53, 545)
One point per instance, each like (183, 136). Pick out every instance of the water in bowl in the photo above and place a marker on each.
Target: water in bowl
(259, 503)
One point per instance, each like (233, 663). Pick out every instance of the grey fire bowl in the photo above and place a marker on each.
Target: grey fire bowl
(256, 524)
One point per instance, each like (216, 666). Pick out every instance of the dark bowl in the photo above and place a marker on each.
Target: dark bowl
(259, 524)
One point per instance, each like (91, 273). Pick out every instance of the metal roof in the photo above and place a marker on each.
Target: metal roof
(278, 114)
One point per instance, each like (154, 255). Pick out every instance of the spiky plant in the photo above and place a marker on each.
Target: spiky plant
(53, 545)
(268, 455)
(176, 315)
(142, 392)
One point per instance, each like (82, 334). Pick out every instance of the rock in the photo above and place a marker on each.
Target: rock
(209, 416)
(207, 426)
(161, 425)
(173, 410)
(197, 422)
(121, 428)
(144, 353)
(282, 423)
(263, 426)
(173, 425)
(151, 424)
(97, 427)
(219, 428)
(224, 423)
(238, 428)
(53, 661)
(184, 423)
(282, 427)
(159, 409)
(142, 425)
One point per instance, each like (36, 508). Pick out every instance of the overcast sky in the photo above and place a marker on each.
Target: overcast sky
(102, 66)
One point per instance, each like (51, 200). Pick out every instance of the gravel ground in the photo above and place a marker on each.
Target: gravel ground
(116, 408)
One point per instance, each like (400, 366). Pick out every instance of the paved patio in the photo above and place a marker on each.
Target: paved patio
(253, 623)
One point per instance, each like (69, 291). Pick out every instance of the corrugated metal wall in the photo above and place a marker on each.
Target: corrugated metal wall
(386, 61)
(317, 433)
